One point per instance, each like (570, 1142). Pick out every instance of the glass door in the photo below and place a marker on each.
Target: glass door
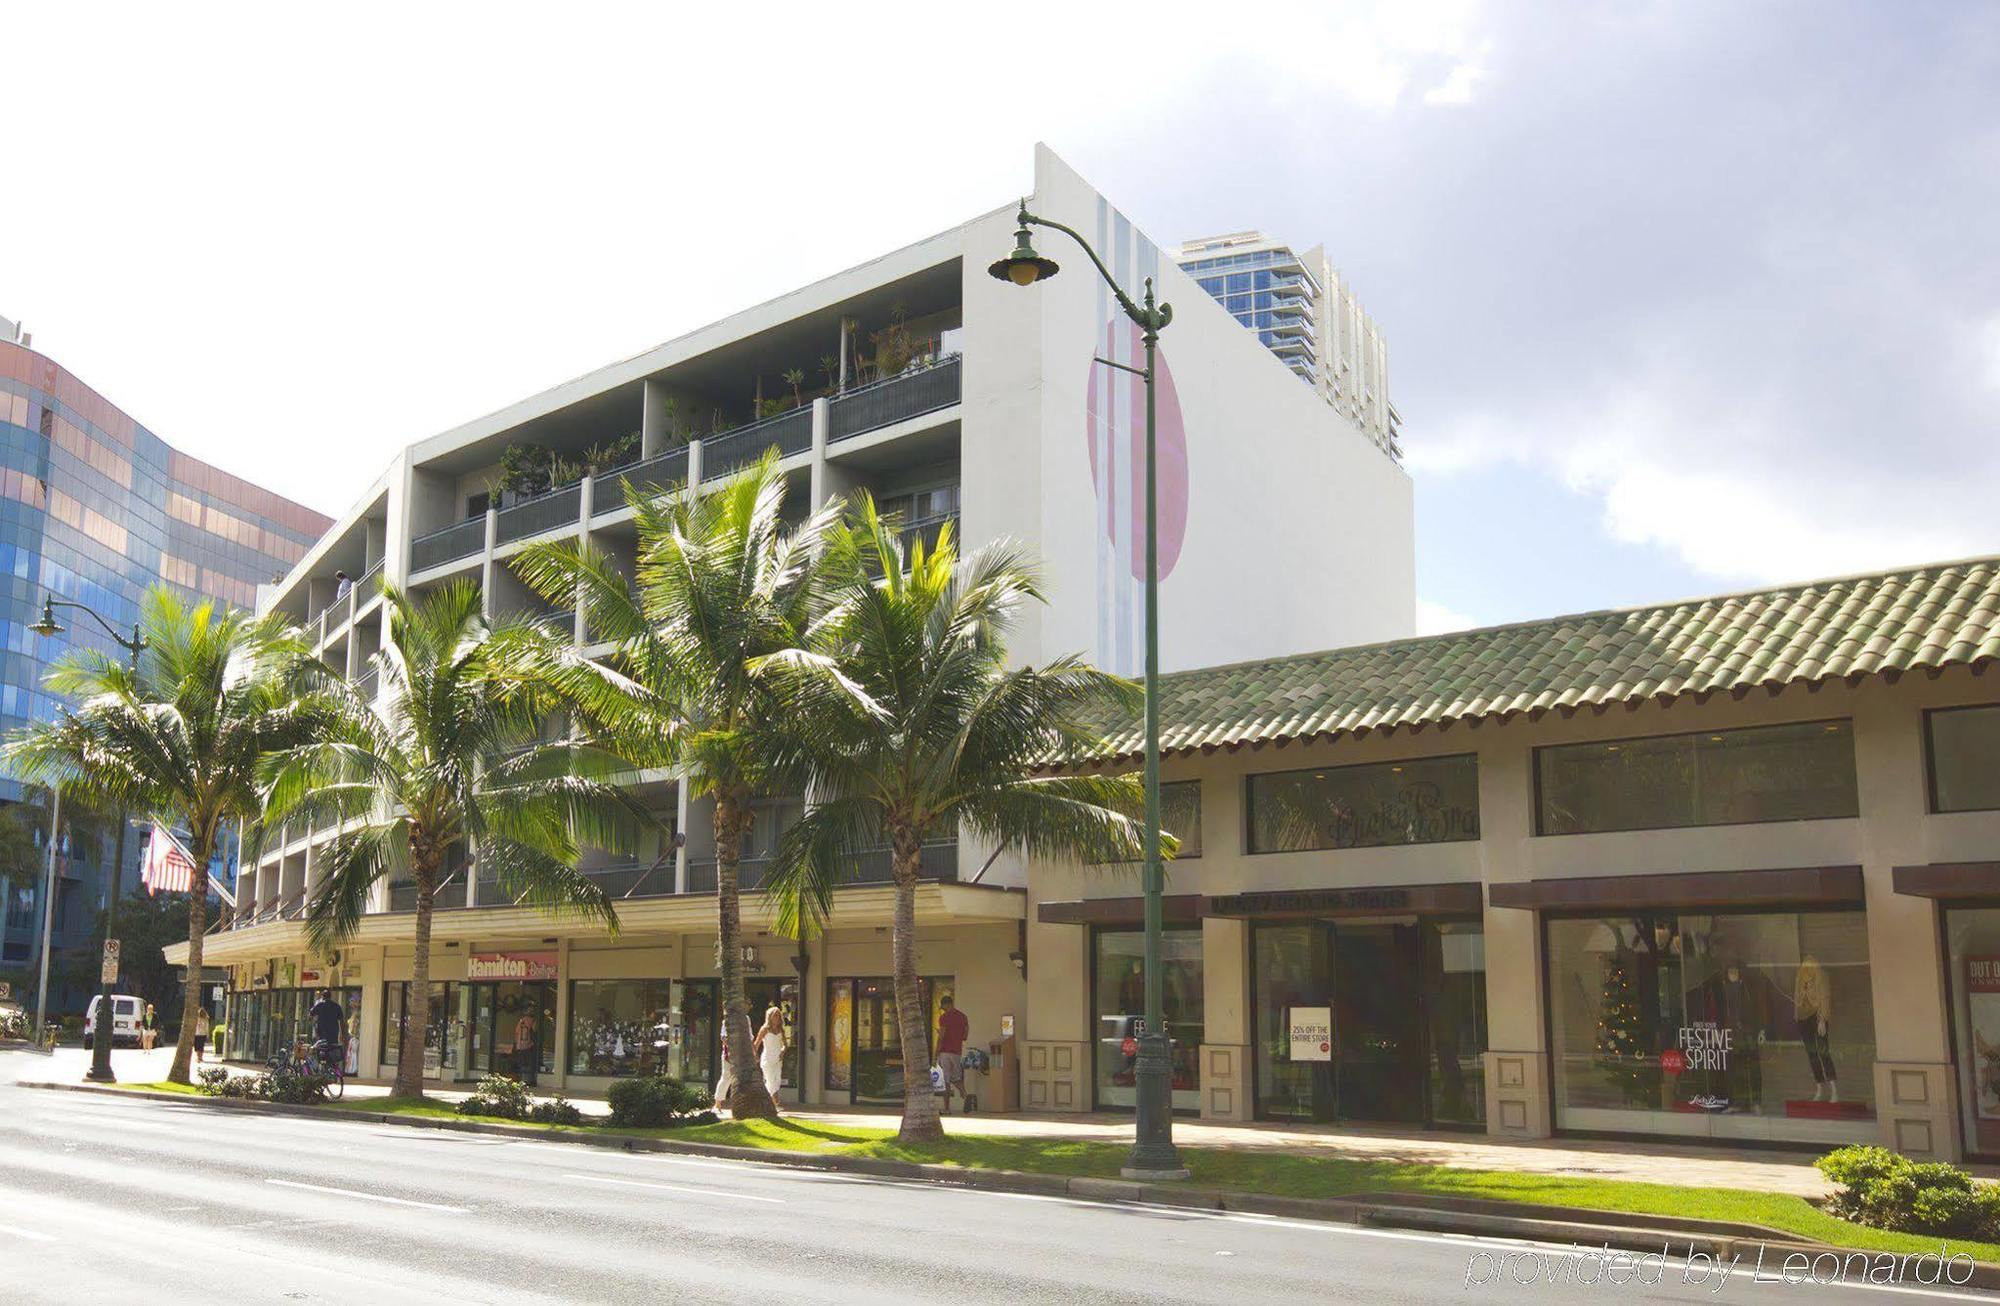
(1378, 1023)
(879, 1064)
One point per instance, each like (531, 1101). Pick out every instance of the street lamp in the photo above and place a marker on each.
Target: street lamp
(1153, 1155)
(107, 1009)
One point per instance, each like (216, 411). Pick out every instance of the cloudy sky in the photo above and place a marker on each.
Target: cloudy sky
(1680, 297)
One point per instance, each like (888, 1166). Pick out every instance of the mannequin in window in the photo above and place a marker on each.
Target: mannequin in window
(1739, 1000)
(1812, 1005)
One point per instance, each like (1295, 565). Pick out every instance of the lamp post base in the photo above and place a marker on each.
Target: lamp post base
(1153, 1154)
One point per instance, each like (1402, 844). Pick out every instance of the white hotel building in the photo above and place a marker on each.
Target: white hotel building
(1286, 528)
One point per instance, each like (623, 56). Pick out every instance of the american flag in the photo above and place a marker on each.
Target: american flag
(168, 868)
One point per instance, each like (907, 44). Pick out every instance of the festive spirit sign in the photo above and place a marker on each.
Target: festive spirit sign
(1705, 1046)
(1312, 1033)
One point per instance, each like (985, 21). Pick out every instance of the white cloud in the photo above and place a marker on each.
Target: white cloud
(1437, 619)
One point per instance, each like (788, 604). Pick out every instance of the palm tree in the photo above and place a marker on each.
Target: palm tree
(909, 721)
(454, 760)
(721, 584)
(216, 694)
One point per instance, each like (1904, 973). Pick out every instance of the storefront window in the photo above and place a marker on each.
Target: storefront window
(1974, 942)
(1119, 1009)
(1799, 772)
(1965, 759)
(865, 1041)
(644, 1027)
(1746, 1025)
(447, 1039)
(1370, 1020)
(1180, 815)
(1423, 800)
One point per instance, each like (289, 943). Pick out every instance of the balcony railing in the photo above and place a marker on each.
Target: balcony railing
(660, 472)
(927, 530)
(936, 861)
(895, 400)
(789, 433)
(635, 879)
(448, 545)
(543, 513)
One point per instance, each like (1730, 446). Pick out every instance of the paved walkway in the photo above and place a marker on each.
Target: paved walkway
(1670, 1163)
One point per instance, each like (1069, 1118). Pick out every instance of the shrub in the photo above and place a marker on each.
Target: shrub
(1883, 1190)
(652, 1101)
(560, 1111)
(212, 1080)
(497, 1095)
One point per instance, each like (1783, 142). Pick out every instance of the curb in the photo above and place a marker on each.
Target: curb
(1583, 1228)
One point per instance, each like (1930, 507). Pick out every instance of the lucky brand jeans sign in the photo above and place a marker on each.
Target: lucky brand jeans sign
(511, 966)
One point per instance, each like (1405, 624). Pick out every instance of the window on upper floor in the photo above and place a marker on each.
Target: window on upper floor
(1378, 804)
(477, 504)
(1798, 772)
(1964, 748)
(1180, 815)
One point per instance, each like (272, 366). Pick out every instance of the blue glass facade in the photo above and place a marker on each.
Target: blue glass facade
(95, 508)
(1270, 292)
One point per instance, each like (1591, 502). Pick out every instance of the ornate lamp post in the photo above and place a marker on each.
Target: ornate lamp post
(1153, 1155)
(107, 1013)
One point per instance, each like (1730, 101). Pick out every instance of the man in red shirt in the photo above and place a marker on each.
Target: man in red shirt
(952, 1031)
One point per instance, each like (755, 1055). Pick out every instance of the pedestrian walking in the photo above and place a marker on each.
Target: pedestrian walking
(201, 1034)
(148, 1033)
(769, 1047)
(527, 1050)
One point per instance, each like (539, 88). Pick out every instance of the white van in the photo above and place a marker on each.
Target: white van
(125, 1017)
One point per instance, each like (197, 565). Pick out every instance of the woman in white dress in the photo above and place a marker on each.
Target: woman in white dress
(769, 1049)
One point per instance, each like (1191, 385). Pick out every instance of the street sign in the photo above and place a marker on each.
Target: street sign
(108, 974)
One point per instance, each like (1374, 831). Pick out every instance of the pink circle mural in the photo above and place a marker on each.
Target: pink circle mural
(1116, 429)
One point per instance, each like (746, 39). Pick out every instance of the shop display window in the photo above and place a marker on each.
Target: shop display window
(1973, 939)
(1752, 1025)
(644, 1027)
(1421, 800)
(1800, 772)
(1119, 1009)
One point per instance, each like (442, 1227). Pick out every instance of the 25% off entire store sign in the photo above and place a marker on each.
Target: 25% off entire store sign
(1312, 1033)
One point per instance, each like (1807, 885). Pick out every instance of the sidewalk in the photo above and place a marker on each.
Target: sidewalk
(1679, 1164)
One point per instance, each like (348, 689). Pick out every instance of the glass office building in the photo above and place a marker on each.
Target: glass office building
(96, 508)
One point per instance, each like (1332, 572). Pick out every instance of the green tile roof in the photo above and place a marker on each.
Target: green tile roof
(1927, 618)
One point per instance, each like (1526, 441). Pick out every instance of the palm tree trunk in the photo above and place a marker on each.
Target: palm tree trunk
(197, 935)
(750, 1097)
(417, 1009)
(920, 1104)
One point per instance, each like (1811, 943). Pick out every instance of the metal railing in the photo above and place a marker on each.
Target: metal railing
(789, 433)
(559, 507)
(936, 861)
(896, 399)
(448, 545)
(663, 471)
(927, 530)
(634, 879)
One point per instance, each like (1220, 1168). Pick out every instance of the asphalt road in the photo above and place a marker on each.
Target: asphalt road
(103, 1200)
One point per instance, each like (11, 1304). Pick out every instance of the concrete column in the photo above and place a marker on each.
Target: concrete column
(821, 410)
(486, 564)
(586, 508)
(653, 432)
(562, 1012)
(694, 465)
(1224, 1055)
(680, 831)
(1911, 1083)
(1518, 1099)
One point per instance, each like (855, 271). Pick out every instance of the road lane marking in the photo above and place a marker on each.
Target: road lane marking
(29, 1234)
(366, 1197)
(676, 1188)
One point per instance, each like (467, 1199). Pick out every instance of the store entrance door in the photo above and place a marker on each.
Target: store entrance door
(509, 1022)
(1378, 1025)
